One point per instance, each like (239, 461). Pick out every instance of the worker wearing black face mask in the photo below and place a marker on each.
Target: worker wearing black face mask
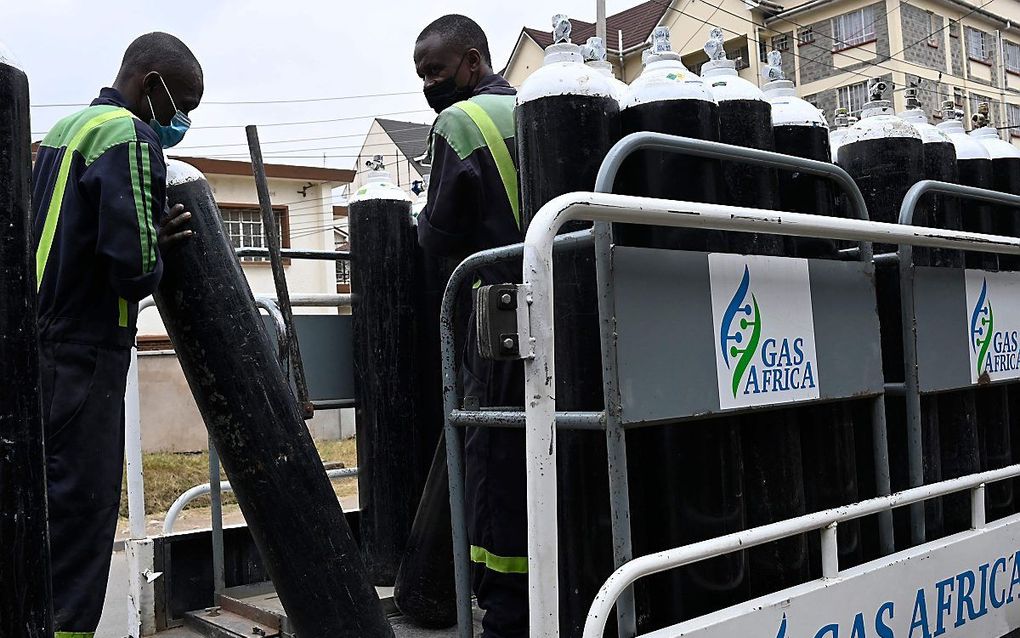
(473, 205)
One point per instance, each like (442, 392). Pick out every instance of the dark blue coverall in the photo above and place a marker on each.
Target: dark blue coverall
(473, 205)
(99, 188)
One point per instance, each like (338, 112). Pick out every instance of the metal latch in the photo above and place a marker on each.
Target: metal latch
(501, 319)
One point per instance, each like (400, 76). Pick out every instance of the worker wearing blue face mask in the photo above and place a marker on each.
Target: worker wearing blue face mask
(99, 201)
(472, 205)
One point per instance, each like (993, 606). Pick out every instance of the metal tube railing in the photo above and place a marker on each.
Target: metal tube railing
(540, 369)
(827, 520)
(205, 489)
(915, 453)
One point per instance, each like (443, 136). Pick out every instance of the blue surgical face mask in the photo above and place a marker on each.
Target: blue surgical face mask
(171, 134)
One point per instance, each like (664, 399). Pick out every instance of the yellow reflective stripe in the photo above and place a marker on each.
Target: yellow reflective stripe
(74, 634)
(122, 311)
(42, 254)
(504, 163)
(501, 564)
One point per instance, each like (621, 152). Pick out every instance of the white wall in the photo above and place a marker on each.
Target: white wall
(310, 220)
(378, 142)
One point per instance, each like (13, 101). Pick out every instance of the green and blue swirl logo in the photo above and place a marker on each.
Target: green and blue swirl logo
(740, 331)
(982, 326)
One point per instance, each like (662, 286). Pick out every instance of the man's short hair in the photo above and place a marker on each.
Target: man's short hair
(460, 32)
(161, 52)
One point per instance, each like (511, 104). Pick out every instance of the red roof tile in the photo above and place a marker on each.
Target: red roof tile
(636, 23)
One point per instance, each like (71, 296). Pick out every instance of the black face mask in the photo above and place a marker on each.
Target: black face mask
(444, 94)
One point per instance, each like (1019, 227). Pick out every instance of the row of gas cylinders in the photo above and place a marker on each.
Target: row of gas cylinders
(702, 479)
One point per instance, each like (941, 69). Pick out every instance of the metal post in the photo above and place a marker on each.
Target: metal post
(296, 367)
(977, 507)
(616, 441)
(133, 445)
(600, 19)
(883, 484)
(830, 551)
(216, 501)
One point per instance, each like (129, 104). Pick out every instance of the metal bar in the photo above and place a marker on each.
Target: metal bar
(216, 507)
(915, 453)
(715, 150)
(282, 348)
(886, 258)
(830, 551)
(540, 373)
(616, 440)
(133, 442)
(293, 253)
(516, 419)
(296, 368)
(883, 483)
(451, 403)
(202, 490)
(678, 557)
(895, 389)
(977, 507)
(335, 404)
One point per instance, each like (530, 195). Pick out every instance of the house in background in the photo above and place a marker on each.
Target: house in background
(302, 197)
(964, 50)
(629, 32)
(403, 146)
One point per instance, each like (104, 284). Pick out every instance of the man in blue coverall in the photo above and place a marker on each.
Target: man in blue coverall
(99, 201)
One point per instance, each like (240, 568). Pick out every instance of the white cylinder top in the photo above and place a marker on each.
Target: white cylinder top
(564, 73)
(178, 172)
(997, 147)
(967, 147)
(930, 134)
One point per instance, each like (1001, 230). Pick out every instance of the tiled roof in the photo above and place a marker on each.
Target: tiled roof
(410, 137)
(636, 23)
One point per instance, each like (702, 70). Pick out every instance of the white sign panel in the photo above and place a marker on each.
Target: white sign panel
(993, 325)
(764, 330)
(964, 586)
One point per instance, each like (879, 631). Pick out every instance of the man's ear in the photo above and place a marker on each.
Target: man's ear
(473, 57)
(149, 82)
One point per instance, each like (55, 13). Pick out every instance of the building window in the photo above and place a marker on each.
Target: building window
(781, 42)
(343, 272)
(958, 97)
(1012, 56)
(244, 227)
(806, 35)
(852, 97)
(742, 58)
(934, 28)
(1013, 119)
(976, 99)
(854, 28)
(976, 49)
(954, 29)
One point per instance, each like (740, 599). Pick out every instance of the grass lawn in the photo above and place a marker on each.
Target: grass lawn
(167, 475)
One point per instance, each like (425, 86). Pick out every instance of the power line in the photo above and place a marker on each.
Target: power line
(240, 102)
(271, 124)
(302, 139)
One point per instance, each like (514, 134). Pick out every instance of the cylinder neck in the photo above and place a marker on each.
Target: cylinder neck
(563, 52)
(719, 67)
(953, 127)
(877, 107)
(601, 66)
(779, 88)
(986, 133)
(914, 116)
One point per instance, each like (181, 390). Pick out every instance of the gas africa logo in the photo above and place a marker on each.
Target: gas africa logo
(758, 362)
(747, 327)
(982, 326)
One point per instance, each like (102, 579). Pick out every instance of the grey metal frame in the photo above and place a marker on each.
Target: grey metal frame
(609, 419)
(905, 257)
